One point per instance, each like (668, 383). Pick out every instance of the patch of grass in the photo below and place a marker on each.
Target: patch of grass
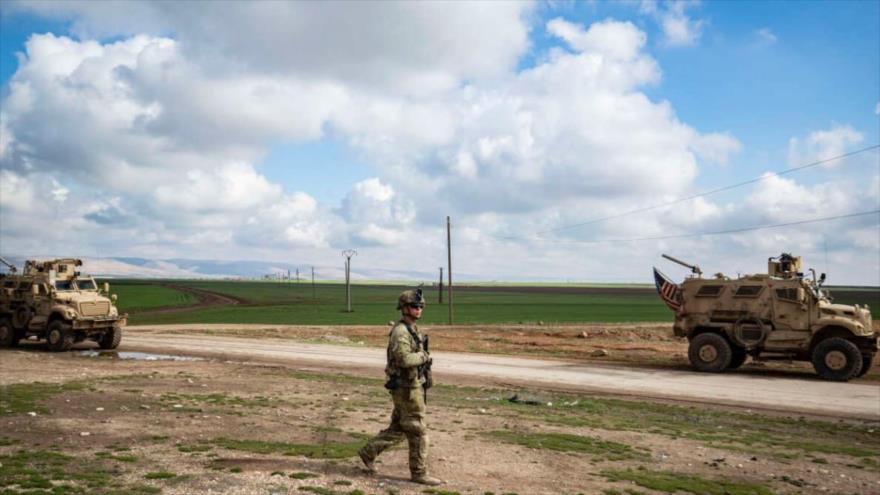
(43, 471)
(564, 442)
(302, 475)
(120, 458)
(319, 490)
(323, 450)
(194, 448)
(143, 490)
(5, 442)
(434, 491)
(669, 482)
(756, 433)
(220, 399)
(18, 398)
(159, 475)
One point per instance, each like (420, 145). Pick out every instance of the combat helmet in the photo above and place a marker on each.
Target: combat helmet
(412, 296)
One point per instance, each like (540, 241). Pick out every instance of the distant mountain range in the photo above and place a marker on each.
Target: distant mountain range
(128, 267)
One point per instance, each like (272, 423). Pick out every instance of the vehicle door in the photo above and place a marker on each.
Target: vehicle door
(42, 304)
(791, 315)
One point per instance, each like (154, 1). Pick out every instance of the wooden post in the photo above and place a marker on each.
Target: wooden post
(449, 264)
(440, 301)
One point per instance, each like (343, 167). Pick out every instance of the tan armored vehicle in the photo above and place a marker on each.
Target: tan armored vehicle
(53, 301)
(778, 315)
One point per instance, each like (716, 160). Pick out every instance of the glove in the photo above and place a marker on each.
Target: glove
(428, 359)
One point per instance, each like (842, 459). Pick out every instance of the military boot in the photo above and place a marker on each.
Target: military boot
(368, 463)
(424, 479)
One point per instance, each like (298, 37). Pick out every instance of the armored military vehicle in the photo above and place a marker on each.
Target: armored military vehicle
(778, 315)
(53, 301)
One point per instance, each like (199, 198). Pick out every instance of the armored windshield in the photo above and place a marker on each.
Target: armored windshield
(64, 285)
(86, 284)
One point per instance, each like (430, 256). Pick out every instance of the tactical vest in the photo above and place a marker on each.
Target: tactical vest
(397, 377)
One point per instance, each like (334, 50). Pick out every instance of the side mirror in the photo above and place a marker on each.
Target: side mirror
(113, 298)
(821, 279)
(106, 288)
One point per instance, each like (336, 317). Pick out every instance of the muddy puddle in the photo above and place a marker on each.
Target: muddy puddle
(137, 356)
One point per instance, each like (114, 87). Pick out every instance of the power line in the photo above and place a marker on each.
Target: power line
(705, 193)
(700, 234)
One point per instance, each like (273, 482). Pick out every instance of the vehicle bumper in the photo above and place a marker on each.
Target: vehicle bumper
(98, 323)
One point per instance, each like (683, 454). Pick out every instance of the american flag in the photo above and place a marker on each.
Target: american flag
(669, 291)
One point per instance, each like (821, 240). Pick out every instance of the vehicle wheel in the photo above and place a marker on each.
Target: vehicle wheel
(111, 339)
(7, 333)
(737, 357)
(58, 337)
(867, 361)
(710, 352)
(837, 359)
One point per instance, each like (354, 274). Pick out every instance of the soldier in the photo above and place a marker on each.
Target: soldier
(406, 358)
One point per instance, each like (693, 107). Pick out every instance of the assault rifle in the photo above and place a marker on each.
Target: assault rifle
(425, 369)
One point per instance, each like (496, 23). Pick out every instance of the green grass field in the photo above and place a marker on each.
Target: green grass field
(275, 303)
(137, 296)
(295, 304)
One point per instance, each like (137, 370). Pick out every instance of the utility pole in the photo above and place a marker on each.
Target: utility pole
(313, 284)
(297, 275)
(440, 301)
(449, 263)
(348, 253)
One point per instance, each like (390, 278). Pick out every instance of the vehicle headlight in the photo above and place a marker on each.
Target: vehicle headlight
(114, 311)
(70, 313)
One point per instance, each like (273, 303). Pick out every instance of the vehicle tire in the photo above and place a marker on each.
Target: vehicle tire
(58, 336)
(737, 357)
(7, 333)
(710, 352)
(111, 339)
(867, 361)
(837, 359)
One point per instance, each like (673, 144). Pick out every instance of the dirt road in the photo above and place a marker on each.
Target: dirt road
(807, 395)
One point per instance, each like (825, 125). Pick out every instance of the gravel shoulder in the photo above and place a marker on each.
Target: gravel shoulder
(805, 394)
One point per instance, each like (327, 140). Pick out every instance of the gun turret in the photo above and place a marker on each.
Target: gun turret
(693, 268)
(785, 266)
(12, 268)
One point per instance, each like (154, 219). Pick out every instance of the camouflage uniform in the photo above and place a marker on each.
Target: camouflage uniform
(404, 356)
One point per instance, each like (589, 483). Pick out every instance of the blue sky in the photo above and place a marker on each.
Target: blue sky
(821, 48)
(345, 142)
(823, 67)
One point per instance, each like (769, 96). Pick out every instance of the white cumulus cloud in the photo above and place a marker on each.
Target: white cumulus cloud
(151, 142)
(823, 145)
(679, 29)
